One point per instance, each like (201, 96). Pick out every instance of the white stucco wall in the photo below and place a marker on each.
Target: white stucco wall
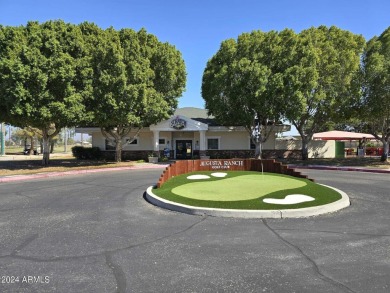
(231, 140)
(145, 140)
(317, 148)
(238, 140)
(98, 140)
(234, 140)
(227, 140)
(270, 143)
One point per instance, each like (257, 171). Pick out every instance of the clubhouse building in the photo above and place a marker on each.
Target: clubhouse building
(189, 134)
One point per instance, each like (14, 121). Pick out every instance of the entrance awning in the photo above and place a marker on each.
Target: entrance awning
(342, 135)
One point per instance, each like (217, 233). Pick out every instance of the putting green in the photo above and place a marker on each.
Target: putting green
(239, 188)
(244, 190)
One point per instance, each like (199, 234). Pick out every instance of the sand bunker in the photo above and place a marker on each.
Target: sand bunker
(196, 177)
(289, 199)
(200, 176)
(219, 174)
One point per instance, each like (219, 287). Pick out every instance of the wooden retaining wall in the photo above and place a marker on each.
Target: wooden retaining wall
(220, 165)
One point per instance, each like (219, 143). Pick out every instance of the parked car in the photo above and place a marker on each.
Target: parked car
(27, 149)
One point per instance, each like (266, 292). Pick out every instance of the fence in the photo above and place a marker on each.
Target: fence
(182, 167)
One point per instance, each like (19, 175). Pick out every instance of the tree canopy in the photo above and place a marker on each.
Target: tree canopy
(306, 78)
(322, 79)
(55, 75)
(136, 81)
(242, 80)
(42, 77)
(375, 103)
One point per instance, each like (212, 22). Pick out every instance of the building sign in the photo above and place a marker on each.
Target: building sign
(178, 123)
(222, 164)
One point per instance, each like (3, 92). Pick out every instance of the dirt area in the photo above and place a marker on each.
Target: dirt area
(22, 165)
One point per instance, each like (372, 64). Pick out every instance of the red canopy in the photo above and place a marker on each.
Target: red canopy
(342, 135)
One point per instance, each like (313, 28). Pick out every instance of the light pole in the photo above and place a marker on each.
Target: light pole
(2, 138)
(256, 130)
(256, 135)
(65, 140)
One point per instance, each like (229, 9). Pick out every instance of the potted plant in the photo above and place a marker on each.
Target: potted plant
(152, 158)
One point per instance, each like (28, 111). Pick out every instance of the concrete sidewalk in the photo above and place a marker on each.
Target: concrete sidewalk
(343, 168)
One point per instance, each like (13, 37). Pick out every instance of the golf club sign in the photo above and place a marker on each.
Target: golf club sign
(222, 164)
(188, 166)
(178, 123)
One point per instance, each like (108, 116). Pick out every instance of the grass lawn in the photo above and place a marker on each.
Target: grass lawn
(243, 190)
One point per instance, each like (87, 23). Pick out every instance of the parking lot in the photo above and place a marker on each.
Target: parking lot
(96, 233)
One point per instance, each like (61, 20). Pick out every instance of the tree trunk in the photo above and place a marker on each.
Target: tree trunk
(52, 143)
(31, 146)
(385, 150)
(46, 149)
(116, 137)
(305, 149)
(46, 142)
(118, 150)
(306, 137)
(259, 150)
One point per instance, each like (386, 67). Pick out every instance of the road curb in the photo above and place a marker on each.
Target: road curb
(233, 213)
(13, 178)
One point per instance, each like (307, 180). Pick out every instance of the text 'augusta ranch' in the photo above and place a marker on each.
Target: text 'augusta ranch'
(221, 164)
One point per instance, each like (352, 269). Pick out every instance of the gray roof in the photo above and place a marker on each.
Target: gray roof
(197, 114)
(192, 112)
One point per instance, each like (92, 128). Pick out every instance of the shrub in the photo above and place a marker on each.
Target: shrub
(164, 159)
(82, 153)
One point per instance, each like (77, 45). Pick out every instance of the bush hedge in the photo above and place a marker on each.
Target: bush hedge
(83, 153)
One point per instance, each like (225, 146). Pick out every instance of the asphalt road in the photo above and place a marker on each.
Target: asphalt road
(96, 233)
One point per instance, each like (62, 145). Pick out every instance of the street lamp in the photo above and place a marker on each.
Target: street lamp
(2, 138)
(256, 135)
(256, 129)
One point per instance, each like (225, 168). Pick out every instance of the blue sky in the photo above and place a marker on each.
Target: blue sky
(197, 27)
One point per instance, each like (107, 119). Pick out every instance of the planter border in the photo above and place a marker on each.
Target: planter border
(236, 213)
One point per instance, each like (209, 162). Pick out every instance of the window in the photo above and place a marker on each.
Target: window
(134, 142)
(161, 141)
(251, 144)
(109, 146)
(213, 143)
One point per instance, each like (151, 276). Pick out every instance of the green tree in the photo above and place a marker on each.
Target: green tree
(25, 134)
(375, 107)
(136, 81)
(241, 82)
(44, 77)
(322, 79)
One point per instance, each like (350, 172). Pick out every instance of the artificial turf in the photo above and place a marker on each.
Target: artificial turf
(243, 190)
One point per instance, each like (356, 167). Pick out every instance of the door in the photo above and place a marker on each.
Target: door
(183, 149)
